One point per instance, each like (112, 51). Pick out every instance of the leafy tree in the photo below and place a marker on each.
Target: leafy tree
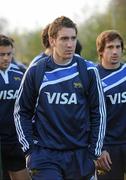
(113, 18)
(28, 44)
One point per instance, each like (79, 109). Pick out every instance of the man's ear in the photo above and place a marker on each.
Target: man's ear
(100, 54)
(51, 41)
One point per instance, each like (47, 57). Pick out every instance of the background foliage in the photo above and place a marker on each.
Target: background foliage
(28, 44)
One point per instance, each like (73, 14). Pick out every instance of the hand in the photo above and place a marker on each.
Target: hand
(103, 163)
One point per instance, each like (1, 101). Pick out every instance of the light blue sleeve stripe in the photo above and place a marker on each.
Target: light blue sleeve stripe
(102, 110)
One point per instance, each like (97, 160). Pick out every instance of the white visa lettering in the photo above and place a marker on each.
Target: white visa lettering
(118, 98)
(57, 98)
(1, 94)
(61, 98)
(10, 94)
(5, 94)
(50, 98)
(123, 97)
(73, 99)
(15, 94)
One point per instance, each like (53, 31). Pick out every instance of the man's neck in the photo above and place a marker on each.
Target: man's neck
(62, 61)
(111, 66)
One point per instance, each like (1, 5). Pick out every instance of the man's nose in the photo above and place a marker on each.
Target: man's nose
(70, 42)
(115, 50)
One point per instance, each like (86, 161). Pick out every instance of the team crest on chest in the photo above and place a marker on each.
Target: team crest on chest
(77, 85)
(17, 78)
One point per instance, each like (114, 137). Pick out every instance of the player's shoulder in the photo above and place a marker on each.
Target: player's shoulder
(38, 58)
(89, 63)
(15, 64)
(38, 66)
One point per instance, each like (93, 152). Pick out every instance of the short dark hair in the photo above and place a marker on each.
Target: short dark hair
(6, 41)
(59, 23)
(107, 36)
(78, 47)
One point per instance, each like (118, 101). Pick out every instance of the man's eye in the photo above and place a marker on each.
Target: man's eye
(64, 38)
(8, 54)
